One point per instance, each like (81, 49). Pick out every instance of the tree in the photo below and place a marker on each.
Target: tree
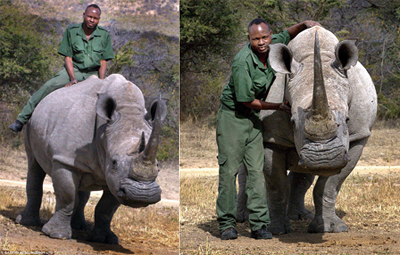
(23, 59)
(209, 32)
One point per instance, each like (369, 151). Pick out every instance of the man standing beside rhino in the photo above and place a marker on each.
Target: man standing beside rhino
(86, 48)
(239, 135)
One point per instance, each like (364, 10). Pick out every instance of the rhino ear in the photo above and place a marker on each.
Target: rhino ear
(105, 107)
(346, 54)
(280, 58)
(155, 105)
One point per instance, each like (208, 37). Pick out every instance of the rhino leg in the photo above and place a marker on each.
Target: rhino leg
(325, 194)
(104, 212)
(299, 184)
(34, 190)
(277, 190)
(78, 220)
(242, 213)
(66, 184)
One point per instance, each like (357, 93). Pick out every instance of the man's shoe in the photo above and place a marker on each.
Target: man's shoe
(261, 234)
(16, 126)
(229, 234)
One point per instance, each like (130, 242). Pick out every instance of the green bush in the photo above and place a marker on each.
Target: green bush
(388, 107)
(25, 52)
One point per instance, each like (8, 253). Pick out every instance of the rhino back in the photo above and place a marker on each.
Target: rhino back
(63, 122)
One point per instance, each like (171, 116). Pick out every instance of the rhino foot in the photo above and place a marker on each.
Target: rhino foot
(327, 224)
(103, 236)
(78, 223)
(300, 214)
(28, 221)
(279, 228)
(242, 216)
(57, 231)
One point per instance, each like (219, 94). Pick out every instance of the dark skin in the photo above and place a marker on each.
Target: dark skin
(91, 18)
(260, 37)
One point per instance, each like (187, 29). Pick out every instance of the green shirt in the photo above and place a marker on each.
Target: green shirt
(250, 79)
(86, 55)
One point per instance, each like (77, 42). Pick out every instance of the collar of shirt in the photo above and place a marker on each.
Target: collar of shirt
(82, 34)
(257, 61)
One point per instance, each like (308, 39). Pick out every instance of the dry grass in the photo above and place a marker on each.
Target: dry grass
(198, 147)
(11, 159)
(383, 147)
(370, 200)
(365, 202)
(197, 199)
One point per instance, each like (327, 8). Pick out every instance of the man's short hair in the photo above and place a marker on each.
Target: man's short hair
(258, 21)
(94, 6)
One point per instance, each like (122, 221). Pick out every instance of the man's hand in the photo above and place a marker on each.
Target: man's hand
(311, 23)
(285, 107)
(296, 29)
(72, 82)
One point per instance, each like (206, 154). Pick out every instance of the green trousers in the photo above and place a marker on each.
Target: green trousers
(239, 140)
(58, 81)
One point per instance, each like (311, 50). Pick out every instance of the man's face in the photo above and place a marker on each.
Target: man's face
(91, 17)
(260, 37)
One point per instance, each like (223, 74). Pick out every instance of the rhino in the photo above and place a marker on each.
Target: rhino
(333, 108)
(95, 135)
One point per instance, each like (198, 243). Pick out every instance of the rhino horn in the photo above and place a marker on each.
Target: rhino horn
(320, 123)
(150, 151)
(320, 101)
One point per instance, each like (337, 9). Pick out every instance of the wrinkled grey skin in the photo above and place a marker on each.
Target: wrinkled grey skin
(95, 135)
(333, 110)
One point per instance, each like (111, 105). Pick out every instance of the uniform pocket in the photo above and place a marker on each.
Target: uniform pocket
(221, 159)
(79, 53)
(98, 51)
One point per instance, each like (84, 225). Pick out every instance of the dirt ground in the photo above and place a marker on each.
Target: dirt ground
(369, 237)
(205, 237)
(15, 238)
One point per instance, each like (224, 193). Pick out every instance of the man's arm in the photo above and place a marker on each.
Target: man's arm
(102, 69)
(296, 29)
(262, 105)
(70, 70)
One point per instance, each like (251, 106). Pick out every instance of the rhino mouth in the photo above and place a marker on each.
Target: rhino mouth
(139, 194)
(330, 156)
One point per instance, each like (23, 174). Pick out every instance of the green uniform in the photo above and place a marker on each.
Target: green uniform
(239, 138)
(86, 56)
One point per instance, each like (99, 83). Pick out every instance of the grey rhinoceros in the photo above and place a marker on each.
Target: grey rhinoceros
(334, 105)
(95, 135)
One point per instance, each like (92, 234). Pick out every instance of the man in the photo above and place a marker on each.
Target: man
(239, 135)
(86, 48)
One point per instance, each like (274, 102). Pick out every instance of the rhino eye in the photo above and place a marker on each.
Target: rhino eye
(293, 121)
(296, 68)
(342, 72)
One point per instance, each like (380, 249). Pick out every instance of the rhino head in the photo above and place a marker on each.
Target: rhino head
(128, 139)
(319, 93)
